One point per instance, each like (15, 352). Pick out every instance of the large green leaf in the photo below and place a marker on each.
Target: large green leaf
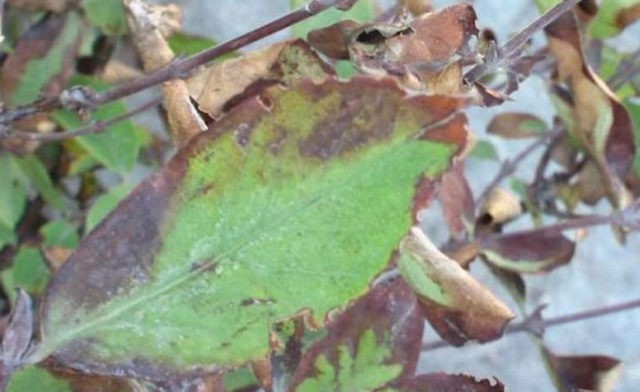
(33, 378)
(292, 203)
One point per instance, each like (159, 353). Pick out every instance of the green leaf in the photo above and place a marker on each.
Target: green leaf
(41, 71)
(362, 11)
(484, 150)
(28, 271)
(606, 22)
(107, 15)
(186, 44)
(104, 204)
(119, 145)
(60, 233)
(33, 378)
(13, 197)
(268, 214)
(33, 169)
(7, 236)
(365, 371)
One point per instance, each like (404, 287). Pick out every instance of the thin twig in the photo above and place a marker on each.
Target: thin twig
(178, 68)
(513, 46)
(526, 325)
(509, 166)
(94, 127)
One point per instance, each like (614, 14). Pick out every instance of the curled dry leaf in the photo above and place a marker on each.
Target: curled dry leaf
(391, 313)
(416, 7)
(202, 245)
(443, 382)
(601, 123)
(150, 25)
(458, 306)
(517, 125)
(589, 372)
(533, 251)
(216, 88)
(499, 207)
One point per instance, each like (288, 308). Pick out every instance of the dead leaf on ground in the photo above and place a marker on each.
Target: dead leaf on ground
(457, 306)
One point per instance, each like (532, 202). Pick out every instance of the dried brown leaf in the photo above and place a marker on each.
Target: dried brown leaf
(333, 41)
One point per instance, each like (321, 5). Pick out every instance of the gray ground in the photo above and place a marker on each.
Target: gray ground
(602, 272)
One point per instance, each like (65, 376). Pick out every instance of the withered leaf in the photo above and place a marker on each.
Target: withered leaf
(457, 306)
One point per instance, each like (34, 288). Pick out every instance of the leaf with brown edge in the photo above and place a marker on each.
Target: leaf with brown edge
(601, 123)
(233, 232)
(457, 306)
(443, 382)
(590, 372)
(516, 125)
(532, 251)
(391, 312)
(456, 200)
(333, 41)
(215, 89)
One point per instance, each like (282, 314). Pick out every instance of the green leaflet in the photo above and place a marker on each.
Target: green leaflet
(364, 371)
(33, 378)
(293, 202)
(107, 15)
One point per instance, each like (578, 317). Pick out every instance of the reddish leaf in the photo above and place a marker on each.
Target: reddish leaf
(391, 310)
(457, 201)
(591, 372)
(443, 382)
(532, 251)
